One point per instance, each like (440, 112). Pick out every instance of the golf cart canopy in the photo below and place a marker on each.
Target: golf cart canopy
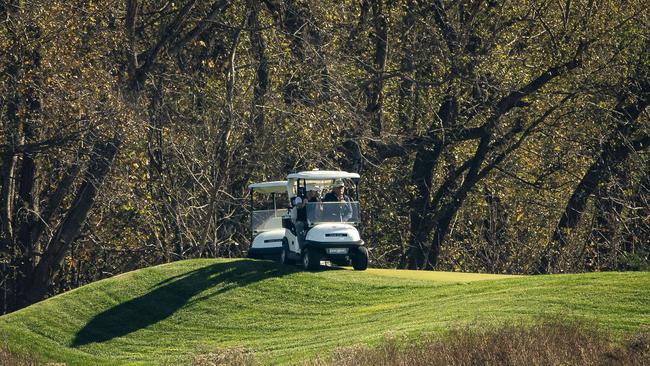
(321, 178)
(323, 175)
(279, 186)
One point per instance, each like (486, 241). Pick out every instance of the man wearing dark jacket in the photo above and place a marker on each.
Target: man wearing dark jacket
(338, 195)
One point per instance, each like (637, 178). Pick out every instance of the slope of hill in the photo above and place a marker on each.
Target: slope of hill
(171, 313)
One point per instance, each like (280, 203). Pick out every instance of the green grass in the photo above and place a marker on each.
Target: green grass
(169, 313)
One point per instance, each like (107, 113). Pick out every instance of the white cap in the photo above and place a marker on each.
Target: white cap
(313, 187)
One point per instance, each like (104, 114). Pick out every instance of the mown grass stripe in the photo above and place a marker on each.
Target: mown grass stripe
(172, 312)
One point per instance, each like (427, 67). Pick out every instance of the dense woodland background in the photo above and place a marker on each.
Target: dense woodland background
(492, 136)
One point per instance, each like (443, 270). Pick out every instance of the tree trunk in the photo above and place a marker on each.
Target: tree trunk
(25, 216)
(406, 93)
(374, 89)
(38, 284)
(222, 153)
(261, 84)
(247, 161)
(7, 193)
(424, 166)
(422, 177)
(445, 215)
(9, 159)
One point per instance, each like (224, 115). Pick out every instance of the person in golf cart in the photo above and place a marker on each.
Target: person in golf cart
(312, 196)
(338, 195)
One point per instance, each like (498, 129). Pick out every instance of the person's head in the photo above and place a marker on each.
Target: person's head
(338, 187)
(312, 190)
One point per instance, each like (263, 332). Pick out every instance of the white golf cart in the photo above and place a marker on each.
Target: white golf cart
(319, 230)
(266, 224)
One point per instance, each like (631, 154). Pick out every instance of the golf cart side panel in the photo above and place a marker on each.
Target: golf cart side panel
(269, 239)
(264, 253)
(267, 243)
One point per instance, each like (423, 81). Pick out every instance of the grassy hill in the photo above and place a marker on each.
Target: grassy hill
(169, 313)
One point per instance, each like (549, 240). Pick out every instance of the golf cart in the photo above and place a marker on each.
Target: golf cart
(267, 232)
(318, 231)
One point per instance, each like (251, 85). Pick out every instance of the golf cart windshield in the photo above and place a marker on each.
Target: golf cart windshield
(265, 214)
(265, 220)
(322, 212)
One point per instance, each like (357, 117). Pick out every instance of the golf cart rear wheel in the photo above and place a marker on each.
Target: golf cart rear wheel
(310, 259)
(284, 257)
(360, 259)
(284, 254)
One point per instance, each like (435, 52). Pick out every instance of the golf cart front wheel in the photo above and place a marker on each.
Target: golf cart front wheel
(360, 259)
(310, 259)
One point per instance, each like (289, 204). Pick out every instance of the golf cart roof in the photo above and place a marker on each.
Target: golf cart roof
(323, 175)
(279, 186)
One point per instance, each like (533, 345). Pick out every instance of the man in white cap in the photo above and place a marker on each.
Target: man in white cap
(338, 195)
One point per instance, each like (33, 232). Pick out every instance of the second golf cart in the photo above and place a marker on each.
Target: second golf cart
(267, 233)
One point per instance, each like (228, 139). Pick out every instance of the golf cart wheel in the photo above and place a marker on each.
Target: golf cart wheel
(284, 254)
(360, 259)
(284, 257)
(310, 259)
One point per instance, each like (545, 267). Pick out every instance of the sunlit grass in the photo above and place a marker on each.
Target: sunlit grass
(172, 313)
(438, 276)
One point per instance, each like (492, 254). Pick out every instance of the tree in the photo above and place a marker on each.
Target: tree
(39, 269)
(626, 137)
(474, 109)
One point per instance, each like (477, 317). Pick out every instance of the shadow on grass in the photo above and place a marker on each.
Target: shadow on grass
(172, 294)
